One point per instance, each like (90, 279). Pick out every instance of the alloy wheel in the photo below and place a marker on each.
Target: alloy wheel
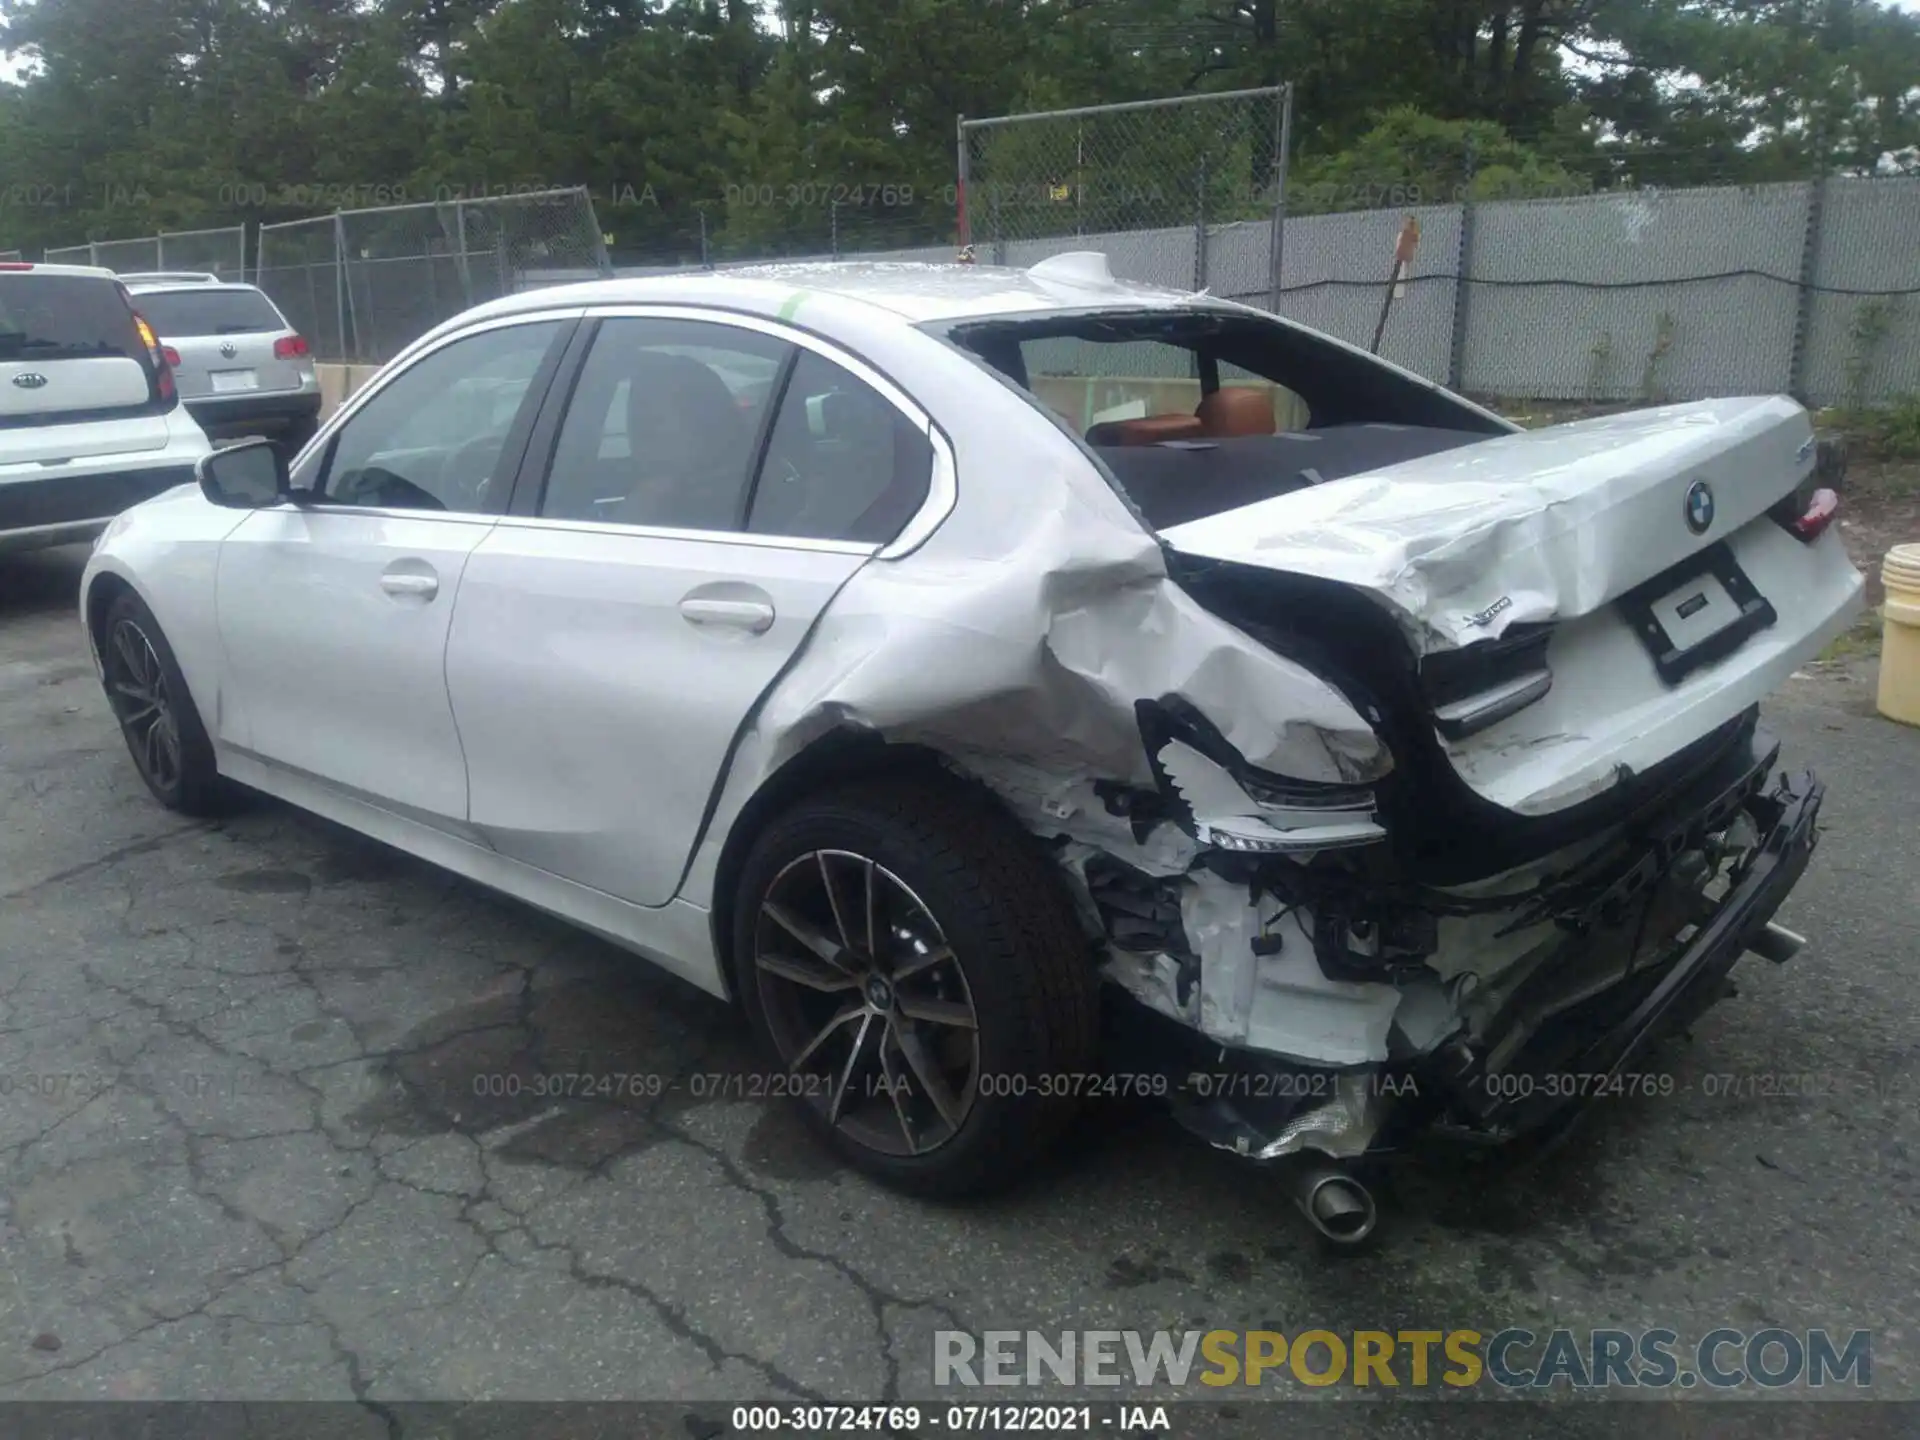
(866, 1003)
(137, 688)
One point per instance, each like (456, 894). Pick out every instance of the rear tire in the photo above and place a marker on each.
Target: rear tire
(149, 698)
(934, 1045)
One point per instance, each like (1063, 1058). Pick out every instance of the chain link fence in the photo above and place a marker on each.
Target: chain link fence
(13, 257)
(221, 252)
(1622, 292)
(1509, 276)
(1503, 275)
(362, 284)
(1187, 192)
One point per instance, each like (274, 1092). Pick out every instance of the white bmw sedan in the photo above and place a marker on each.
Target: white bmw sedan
(1016, 687)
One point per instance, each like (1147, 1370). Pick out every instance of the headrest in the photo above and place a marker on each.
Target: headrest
(1148, 430)
(1237, 410)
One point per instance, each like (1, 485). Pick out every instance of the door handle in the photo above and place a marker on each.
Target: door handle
(753, 616)
(423, 587)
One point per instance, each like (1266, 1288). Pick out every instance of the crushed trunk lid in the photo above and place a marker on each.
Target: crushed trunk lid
(1539, 525)
(1621, 575)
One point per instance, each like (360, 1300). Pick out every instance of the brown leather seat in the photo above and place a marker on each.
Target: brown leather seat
(1148, 430)
(1236, 410)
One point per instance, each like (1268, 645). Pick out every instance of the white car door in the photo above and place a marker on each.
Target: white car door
(711, 487)
(334, 612)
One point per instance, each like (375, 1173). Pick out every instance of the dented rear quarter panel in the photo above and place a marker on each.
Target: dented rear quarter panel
(1028, 624)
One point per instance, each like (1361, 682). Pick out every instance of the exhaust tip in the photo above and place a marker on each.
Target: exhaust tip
(1340, 1209)
(1776, 943)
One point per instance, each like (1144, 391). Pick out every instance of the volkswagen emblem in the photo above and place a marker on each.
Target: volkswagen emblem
(30, 380)
(227, 349)
(1699, 507)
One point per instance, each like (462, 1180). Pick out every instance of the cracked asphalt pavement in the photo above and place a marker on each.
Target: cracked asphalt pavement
(266, 1132)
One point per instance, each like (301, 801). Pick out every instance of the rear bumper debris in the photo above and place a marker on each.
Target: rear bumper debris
(1596, 1045)
(1522, 1077)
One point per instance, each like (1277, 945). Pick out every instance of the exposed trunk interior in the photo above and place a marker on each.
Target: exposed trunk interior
(1552, 630)
(1175, 481)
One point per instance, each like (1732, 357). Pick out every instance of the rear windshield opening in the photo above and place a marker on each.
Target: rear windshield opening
(180, 313)
(52, 317)
(1195, 412)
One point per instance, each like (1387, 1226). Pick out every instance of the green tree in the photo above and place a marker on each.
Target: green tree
(1410, 158)
(745, 119)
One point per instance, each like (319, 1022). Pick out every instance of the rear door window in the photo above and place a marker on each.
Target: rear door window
(208, 312)
(843, 463)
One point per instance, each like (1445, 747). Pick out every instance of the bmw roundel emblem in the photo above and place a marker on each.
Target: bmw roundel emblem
(1699, 507)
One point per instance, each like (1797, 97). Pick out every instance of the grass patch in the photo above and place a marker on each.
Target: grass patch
(1883, 432)
(1860, 641)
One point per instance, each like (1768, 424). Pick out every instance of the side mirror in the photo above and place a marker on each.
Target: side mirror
(248, 476)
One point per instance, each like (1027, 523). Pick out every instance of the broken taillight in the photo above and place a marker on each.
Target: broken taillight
(1814, 520)
(1807, 513)
(1809, 508)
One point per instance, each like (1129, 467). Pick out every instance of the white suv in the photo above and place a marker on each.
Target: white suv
(242, 369)
(90, 415)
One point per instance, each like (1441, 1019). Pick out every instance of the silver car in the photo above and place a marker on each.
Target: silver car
(1045, 689)
(241, 368)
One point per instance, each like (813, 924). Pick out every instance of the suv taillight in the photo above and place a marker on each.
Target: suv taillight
(290, 347)
(164, 358)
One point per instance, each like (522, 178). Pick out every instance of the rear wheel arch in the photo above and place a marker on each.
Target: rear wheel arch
(840, 758)
(969, 987)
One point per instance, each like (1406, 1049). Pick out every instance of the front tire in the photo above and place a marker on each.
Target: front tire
(157, 718)
(911, 964)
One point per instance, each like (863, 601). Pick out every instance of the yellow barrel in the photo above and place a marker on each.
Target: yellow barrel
(1900, 647)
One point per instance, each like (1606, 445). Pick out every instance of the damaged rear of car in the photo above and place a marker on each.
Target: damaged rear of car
(1403, 769)
(1560, 639)
(1015, 686)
